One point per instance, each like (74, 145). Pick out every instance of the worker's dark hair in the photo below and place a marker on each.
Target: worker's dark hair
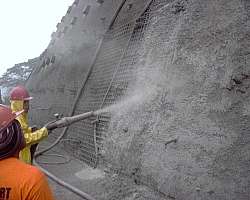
(11, 140)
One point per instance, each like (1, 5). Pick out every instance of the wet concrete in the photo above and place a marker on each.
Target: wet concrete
(89, 173)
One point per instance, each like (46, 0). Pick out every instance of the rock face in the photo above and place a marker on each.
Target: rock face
(174, 77)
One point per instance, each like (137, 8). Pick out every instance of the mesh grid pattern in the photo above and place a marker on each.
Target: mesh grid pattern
(95, 90)
(113, 72)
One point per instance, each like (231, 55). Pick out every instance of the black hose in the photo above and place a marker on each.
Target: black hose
(67, 158)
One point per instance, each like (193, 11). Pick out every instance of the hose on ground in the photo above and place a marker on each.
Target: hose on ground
(67, 160)
(64, 184)
(55, 178)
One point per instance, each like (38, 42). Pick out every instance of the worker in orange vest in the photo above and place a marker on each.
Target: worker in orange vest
(19, 99)
(18, 180)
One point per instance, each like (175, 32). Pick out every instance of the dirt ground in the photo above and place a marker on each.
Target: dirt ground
(95, 182)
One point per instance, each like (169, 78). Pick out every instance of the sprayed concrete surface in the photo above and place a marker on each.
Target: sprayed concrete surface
(193, 86)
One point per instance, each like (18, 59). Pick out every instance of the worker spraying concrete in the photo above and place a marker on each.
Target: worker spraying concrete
(19, 98)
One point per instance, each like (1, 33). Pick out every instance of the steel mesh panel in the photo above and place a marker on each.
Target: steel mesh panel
(111, 75)
(109, 57)
(124, 75)
(131, 11)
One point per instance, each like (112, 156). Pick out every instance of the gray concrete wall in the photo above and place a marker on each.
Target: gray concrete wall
(182, 73)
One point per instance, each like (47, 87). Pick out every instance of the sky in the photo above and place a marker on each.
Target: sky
(26, 27)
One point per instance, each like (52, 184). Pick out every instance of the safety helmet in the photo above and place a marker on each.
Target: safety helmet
(11, 136)
(7, 116)
(20, 93)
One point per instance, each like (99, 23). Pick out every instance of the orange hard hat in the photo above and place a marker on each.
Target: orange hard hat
(11, 136)
(7, 116)
(19, 93)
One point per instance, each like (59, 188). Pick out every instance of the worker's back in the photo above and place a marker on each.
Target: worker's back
(19, 181)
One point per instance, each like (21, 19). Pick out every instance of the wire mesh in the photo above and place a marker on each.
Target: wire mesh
(113, 72)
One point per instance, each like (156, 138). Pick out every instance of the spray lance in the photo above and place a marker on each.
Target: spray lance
(67, 121)
(59, 123)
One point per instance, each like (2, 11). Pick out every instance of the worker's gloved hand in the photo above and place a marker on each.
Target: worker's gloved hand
(34, 128)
